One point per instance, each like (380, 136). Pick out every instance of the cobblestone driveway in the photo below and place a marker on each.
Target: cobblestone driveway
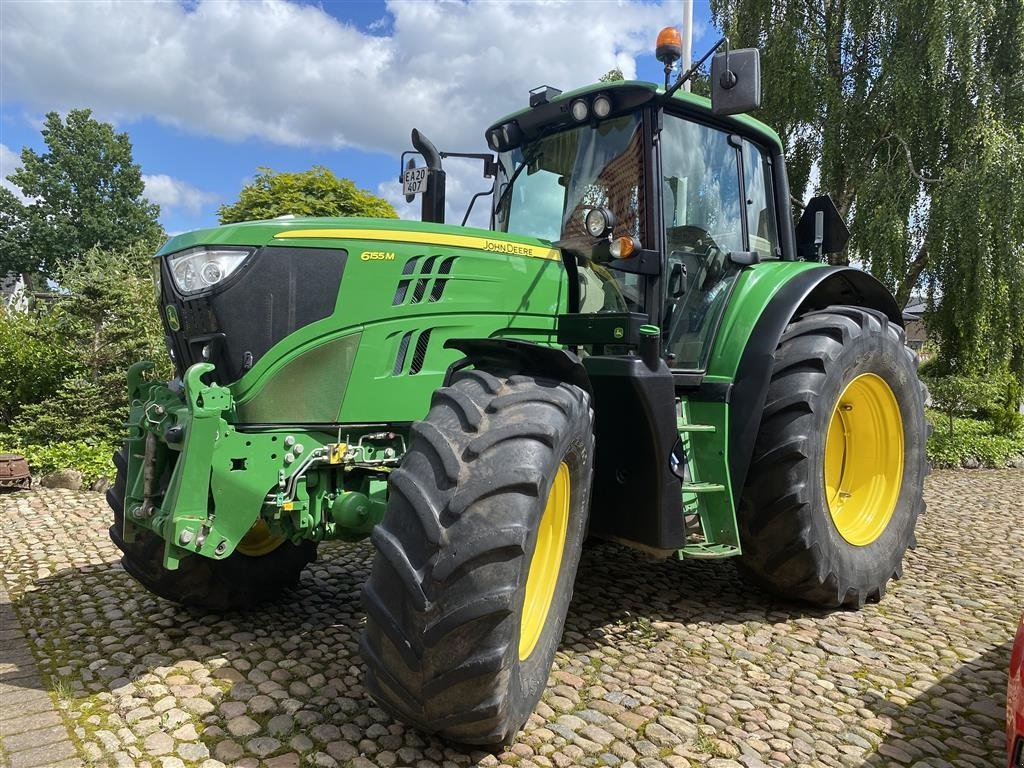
(663, 664)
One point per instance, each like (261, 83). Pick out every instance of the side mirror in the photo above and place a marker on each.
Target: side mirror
(735, 81)
(820, 230)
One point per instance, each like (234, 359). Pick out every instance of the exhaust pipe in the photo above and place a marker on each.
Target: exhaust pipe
(433, 197)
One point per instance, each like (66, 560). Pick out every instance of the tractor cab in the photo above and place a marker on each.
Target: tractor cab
(655, 197)
(659, 205)
(658, 196)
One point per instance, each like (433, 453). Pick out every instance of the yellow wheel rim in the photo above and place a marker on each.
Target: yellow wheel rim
(546, 563)
(864, 459)
(259, 541)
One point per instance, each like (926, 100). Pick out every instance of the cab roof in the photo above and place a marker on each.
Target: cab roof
(630, 94)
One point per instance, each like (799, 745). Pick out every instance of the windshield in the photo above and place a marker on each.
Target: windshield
(568, 173)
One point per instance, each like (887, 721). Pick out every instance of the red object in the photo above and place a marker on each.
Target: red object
(1015, 702)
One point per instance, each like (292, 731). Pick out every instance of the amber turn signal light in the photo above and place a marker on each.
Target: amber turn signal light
(622, 247)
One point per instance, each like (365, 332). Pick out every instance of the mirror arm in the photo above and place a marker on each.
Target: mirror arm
(472, 201)
(693, 70)
(642, 262)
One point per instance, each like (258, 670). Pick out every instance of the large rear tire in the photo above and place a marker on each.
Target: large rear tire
(477, 555)
(836, 480)
(239, 581)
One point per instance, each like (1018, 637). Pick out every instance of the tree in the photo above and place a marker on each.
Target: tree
(913, 115)
(67, 358)
(316, 192)
(84, 192)
(612, 76)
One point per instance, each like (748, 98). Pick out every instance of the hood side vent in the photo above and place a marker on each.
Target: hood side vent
(421, 284)
(420, 354)
(403, 349)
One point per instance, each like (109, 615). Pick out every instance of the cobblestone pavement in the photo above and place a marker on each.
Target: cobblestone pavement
(663, 664)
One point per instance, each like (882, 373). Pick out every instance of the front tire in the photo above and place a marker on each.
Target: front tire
(239, 581)
(477, 555)
(835, 485)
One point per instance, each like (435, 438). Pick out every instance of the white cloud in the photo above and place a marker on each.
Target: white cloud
(10, 161)
(294, 75)
(169, 192)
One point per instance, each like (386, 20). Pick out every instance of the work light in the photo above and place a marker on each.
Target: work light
(602, 106)
(198, 269)
(598, 222)
(579, 110)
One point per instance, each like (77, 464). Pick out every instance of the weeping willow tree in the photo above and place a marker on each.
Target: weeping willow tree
(911, 114)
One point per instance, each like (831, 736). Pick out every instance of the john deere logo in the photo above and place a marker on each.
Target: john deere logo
(618, 333)
(172, 318)
(377, 256)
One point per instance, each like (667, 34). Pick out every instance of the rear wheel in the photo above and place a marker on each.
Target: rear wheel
(259, 569)
(477, 554)
(836, 481)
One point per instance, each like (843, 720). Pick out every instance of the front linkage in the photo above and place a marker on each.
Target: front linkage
(205, 485)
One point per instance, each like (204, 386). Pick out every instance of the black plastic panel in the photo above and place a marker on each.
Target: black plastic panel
(636, 496)
(276, 292)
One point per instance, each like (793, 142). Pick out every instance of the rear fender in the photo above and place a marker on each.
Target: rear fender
(805, 292)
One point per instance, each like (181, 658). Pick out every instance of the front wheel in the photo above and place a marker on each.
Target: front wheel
(477, 555)
(836, 480)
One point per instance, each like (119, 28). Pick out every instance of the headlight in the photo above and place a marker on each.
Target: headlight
(602, 106)
(579, 110)
(197, 269)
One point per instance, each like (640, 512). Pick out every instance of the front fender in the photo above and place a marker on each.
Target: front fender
(522, 357)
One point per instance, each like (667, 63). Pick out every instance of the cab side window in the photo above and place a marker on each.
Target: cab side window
(762, 229)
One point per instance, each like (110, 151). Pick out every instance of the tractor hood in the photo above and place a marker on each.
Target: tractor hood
(288, 310)
(307, 230)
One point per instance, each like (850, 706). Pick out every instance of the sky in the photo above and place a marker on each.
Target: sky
(210, 90)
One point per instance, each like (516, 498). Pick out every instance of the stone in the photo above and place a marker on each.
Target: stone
(158, 743)
(243, 726)
(69, 479)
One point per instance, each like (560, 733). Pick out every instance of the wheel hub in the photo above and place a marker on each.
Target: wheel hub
(863, 468)
(259, 541)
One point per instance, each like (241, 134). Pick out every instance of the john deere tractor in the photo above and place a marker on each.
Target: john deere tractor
(641, 348)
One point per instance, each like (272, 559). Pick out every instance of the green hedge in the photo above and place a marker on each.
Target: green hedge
(91, 459)
(973, 442)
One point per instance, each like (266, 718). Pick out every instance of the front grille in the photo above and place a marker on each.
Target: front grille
(276, 292)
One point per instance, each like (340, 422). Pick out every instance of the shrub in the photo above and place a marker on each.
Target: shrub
(91, 459)
(33, 360)
(972, 441)
(962, 395)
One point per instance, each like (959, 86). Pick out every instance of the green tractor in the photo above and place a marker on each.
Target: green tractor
(641, 348)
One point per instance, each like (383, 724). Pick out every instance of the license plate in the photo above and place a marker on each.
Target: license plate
(414, 180)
